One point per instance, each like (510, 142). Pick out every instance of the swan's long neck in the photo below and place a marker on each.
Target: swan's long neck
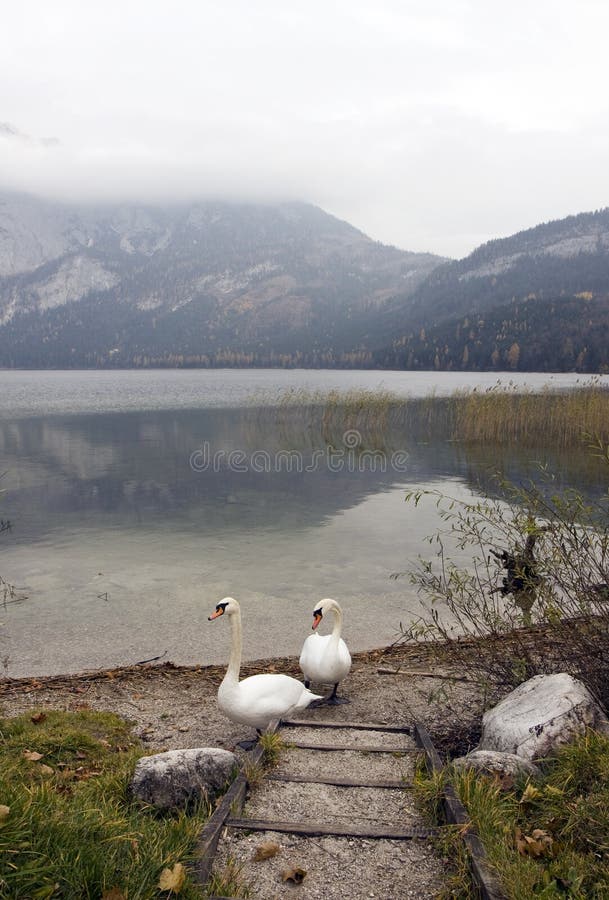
(338, 624)
(234, 663)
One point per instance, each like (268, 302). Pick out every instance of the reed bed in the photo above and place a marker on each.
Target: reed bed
(500, 417)
(558, 419)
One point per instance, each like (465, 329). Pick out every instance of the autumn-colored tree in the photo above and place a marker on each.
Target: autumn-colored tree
(513, 355)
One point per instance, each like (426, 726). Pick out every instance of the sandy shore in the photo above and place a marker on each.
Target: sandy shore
(175, 706)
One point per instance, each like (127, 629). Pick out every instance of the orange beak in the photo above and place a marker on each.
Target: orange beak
(215, 614)
(316, 620)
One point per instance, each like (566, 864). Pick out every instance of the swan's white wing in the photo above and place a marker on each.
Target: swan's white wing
(260, 698)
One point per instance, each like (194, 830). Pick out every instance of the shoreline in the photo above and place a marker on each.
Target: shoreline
(422, 651)
(174, 707)
(286, 664)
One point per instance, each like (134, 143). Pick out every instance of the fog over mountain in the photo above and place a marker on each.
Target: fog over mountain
(431, 126)
(286, 284)
(190, 284)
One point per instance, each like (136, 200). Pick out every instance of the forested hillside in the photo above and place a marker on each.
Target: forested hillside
(199, 284)
(237, 284)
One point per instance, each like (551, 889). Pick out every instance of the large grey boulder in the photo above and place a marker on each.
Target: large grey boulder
(173, 779)
(540, 716)
(493, 762)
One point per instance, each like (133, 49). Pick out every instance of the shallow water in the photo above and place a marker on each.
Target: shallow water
(123, 541)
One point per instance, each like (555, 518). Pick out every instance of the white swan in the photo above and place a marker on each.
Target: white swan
(259, 699)
(325, 659)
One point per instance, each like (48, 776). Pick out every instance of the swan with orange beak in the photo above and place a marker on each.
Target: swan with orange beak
(259, 699)
(325, 658)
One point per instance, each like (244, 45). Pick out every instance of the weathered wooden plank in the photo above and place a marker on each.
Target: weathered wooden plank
(387, 783)
(231, 802)
(362, 726)
(312, 829)
(424, 741)
(485, 877)
(361, 748)
(210, 835)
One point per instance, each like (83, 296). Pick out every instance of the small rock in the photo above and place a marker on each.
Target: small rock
(493, 762)
(171, 780)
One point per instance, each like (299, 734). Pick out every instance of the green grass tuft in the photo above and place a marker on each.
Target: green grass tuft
(72, 831)
(570, 803)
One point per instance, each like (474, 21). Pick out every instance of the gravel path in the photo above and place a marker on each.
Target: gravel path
(337, 868)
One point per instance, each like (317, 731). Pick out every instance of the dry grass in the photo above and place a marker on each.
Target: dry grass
(569, 804)
(497, 416)
(549, 418)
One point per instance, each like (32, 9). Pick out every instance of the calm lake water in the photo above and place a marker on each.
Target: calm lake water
(139, 499)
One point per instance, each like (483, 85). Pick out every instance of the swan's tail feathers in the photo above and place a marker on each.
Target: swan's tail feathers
(306, 698)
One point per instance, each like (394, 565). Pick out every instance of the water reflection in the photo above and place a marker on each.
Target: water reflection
(203, 469)
(122, 546)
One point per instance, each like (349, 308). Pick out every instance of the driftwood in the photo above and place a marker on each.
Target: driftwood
(415, 674)
(522, 578)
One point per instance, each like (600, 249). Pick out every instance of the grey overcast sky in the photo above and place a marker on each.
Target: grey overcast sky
(429, 124)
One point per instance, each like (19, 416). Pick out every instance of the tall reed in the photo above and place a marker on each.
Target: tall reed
(496, 416)
(556, 418)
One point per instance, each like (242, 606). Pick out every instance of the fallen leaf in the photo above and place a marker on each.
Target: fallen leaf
(80, 755)
(82, 774)
(38, 717)
(530, 793)
(543, 841)
(520, 843)
(538, 843)
(47, 770)
(295, 875)
(64, 789)
(113, 894)
(4, 812)
(32, 755)
(266, 850)
(172, 879)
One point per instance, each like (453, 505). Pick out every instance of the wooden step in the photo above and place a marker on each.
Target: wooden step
(317, 829)
(361, 748)
(362, 726)
(387, 783)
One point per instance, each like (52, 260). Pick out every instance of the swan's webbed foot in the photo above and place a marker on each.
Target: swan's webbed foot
(307, 683)
(333, 700)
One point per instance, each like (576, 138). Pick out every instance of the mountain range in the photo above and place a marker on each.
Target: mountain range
(242, 284)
